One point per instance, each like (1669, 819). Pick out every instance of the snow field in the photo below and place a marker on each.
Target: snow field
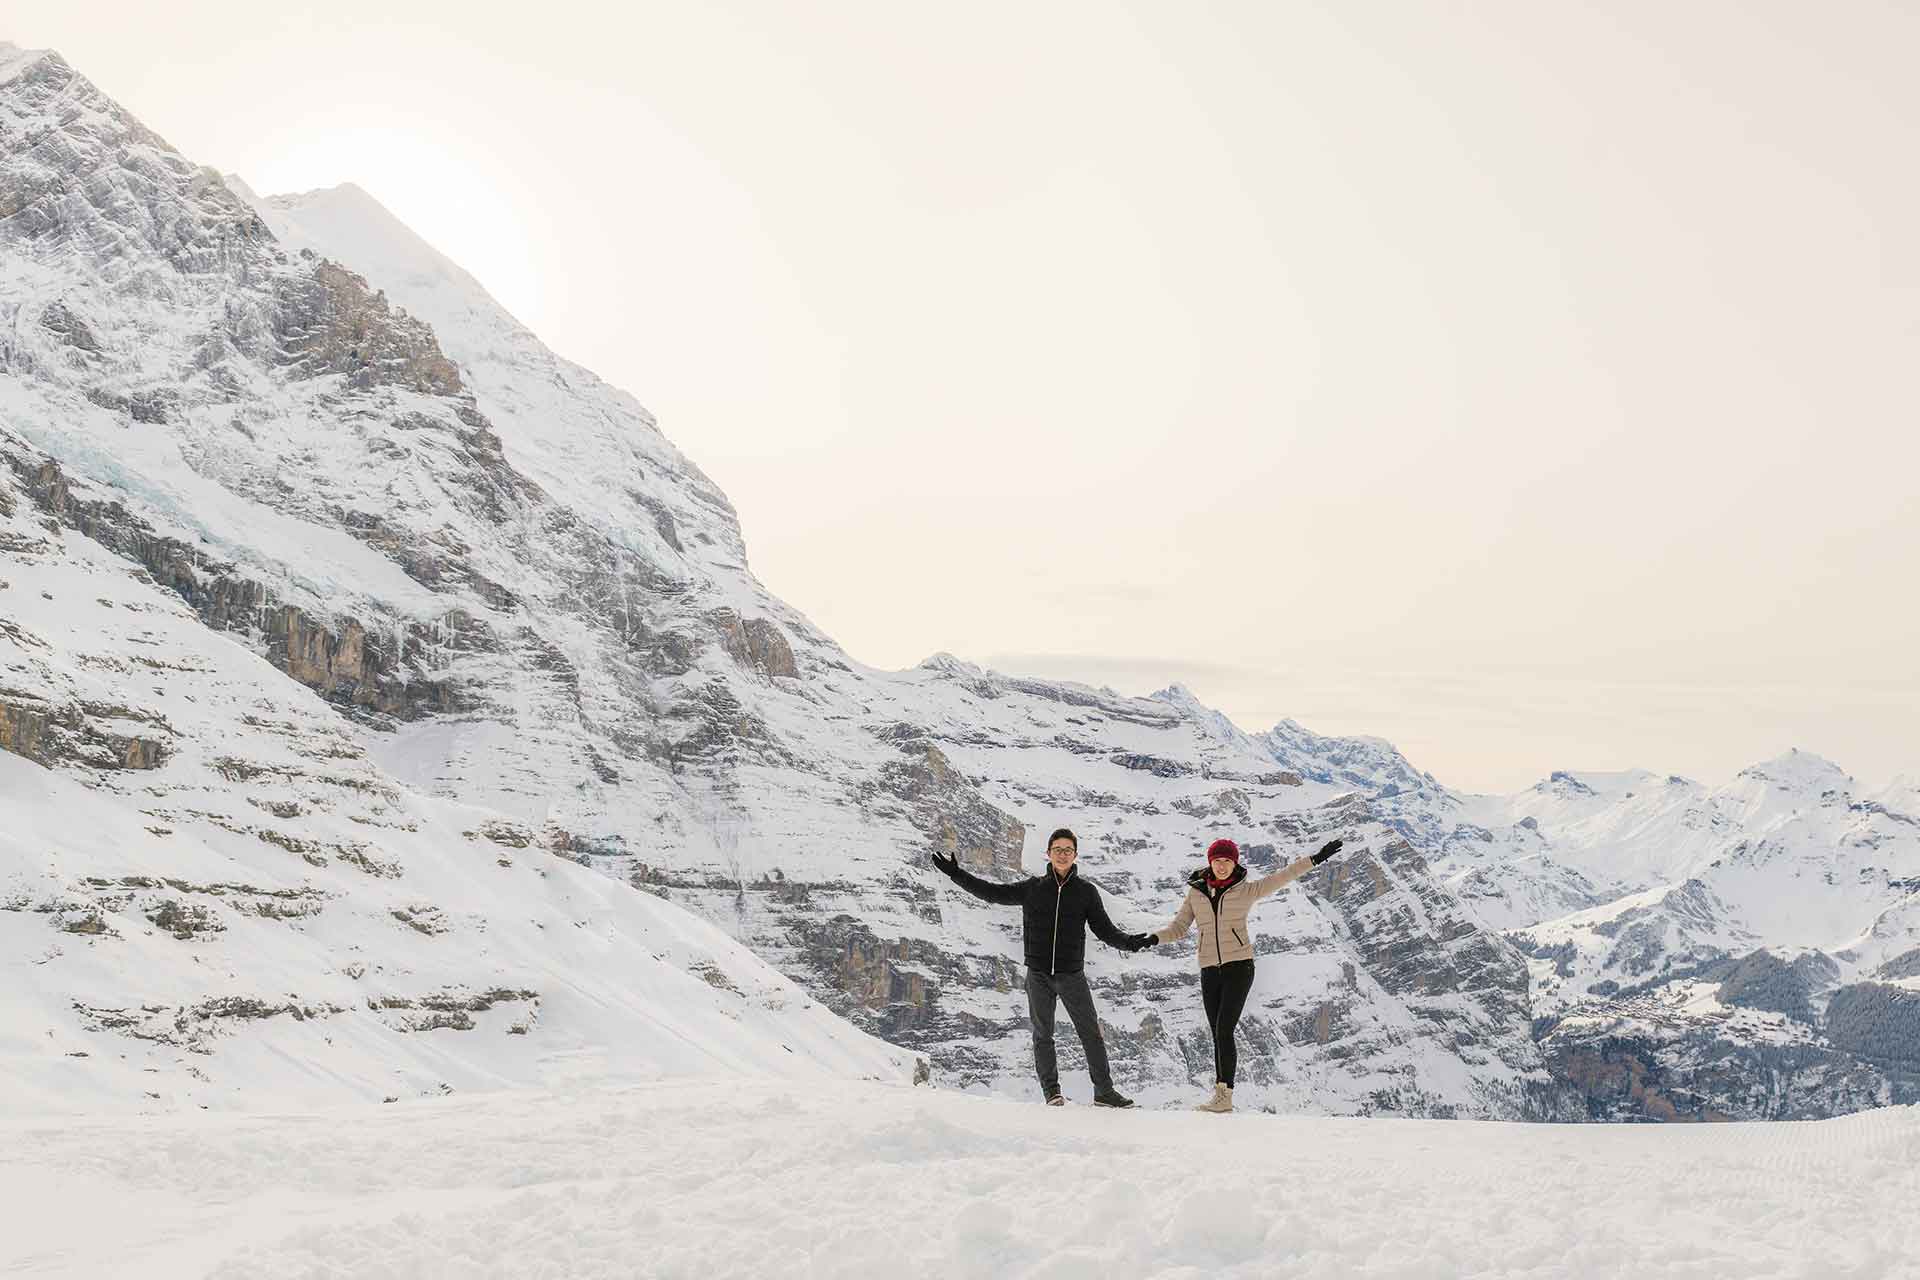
(736, 1177)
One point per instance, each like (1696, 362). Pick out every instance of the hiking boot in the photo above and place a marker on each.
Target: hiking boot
(1111, 1098)
(1055, 1100)
(1221, 1101)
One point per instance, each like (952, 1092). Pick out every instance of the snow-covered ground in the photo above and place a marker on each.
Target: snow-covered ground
(738, 1177)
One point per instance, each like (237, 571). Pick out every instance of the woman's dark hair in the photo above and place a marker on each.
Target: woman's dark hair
(1068, 834)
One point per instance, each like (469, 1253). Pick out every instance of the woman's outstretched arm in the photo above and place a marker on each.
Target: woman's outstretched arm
(1293, 870)
(1182, 921)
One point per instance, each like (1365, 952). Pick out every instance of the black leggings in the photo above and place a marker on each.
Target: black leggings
(1223, 989)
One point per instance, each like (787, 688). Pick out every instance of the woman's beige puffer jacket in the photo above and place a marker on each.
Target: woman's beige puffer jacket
(1224, 935)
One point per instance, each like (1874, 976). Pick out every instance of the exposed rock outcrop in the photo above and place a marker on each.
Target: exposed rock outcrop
(91, 735)
(330, 322)
(754, 643)
(955, 818)
(343, 663)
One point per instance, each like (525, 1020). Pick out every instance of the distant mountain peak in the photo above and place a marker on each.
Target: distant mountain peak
(1616, 784)
(1372, 764)
(16, 61)
(951, 664)
(1795, 767)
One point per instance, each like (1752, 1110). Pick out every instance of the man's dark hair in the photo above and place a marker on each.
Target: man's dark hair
(1068, 834)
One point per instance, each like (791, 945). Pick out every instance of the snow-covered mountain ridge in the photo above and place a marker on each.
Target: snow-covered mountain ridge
(1743, 950)
(510, 592)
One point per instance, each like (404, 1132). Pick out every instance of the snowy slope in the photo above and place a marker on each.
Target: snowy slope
(240, 908)
(851, 1181)
(561, 425)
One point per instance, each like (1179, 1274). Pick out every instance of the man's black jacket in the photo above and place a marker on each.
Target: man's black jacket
(1056, 914)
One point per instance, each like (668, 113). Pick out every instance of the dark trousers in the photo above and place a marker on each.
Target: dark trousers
(1070, 989)
(1223, 989)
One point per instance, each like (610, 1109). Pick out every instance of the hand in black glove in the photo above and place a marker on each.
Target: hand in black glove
(1141, 941)
(945, 866)
(1327, 850)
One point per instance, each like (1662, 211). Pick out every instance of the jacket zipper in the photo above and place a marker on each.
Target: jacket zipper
(1059, 887)
(1219, 956)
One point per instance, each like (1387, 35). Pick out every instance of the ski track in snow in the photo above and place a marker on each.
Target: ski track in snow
(742, 1177)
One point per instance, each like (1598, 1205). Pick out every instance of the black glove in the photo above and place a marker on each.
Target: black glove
(1141, 941)
(945, 866)
(1327, 850)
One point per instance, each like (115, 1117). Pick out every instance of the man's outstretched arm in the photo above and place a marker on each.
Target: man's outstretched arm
(1102, 926)
(1007, 894)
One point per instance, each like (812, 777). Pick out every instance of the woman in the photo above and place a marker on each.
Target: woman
(1218, 899)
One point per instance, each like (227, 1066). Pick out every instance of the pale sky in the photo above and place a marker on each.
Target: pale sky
(1530, 384)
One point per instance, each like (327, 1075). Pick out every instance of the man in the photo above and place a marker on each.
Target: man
(1057, 908)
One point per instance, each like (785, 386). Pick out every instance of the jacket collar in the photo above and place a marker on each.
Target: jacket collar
(1199, 879)
(1072, 871)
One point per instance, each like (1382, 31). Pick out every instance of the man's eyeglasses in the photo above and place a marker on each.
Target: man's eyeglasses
(1061, 848)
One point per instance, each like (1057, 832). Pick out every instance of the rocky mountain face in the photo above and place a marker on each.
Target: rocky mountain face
(211, 893)
(435, 597)
(211, 896)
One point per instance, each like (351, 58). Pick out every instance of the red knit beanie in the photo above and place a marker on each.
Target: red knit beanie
(1223, 849)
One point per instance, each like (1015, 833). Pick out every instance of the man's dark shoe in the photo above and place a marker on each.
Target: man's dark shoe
(1111, 1098)
(1055, 1100)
